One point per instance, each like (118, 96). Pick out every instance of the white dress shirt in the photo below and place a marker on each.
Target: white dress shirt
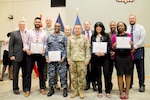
(139, 35)
(32, 36)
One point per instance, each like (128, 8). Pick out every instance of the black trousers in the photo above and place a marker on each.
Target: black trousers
(140, 71)
(45, 71)
(112, 64)
(139, 62)
(16, 68)
(30, 64)
(102, 64)
(90, 76)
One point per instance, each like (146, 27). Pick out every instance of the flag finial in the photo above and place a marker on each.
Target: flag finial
(77, 9)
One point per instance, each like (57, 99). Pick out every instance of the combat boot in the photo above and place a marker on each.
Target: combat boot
(81, 93)
(51, 92)
(76, 93)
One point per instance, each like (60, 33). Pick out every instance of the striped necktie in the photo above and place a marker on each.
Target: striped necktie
(88, 35)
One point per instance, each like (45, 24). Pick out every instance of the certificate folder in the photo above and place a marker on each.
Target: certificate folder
(123, 42)
(99, 47)
(37, 48)
(54, 56)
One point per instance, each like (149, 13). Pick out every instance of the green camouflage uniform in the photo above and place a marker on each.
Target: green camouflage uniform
(78, 52)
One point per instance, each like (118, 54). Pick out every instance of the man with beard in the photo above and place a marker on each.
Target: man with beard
(57, 41)
(138, 36)
(35, 37)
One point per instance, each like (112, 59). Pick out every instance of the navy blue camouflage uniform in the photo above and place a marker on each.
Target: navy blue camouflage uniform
(57, 43)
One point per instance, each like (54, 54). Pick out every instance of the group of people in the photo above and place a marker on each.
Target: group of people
(78, 54)
(123, 58)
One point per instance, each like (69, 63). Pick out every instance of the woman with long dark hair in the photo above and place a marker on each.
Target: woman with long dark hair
(101, 59)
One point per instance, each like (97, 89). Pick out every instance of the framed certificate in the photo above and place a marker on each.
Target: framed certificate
(99, 47)
(36, 48)
(54, 56)
(123, 42)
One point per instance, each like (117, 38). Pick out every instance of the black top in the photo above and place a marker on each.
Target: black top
(123, 52)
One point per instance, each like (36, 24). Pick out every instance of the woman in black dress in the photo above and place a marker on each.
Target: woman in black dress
(123, 60)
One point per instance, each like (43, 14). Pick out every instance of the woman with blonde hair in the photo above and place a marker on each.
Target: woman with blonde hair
(68, 33)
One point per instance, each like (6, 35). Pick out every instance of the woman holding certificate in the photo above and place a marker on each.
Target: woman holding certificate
(123, 57)
(101, 45)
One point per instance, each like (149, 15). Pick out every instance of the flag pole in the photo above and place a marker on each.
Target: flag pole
(58, 11)
(59, 20)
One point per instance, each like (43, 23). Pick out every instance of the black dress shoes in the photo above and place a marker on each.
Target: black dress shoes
(87, 86)
(51, 92)
(142, 89)
(65, 92)
(94, 86)
(16, 92)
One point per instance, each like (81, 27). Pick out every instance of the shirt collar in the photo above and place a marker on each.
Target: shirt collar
(39, 30)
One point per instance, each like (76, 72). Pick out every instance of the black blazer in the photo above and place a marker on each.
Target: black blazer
(16, 46)
(105, 38)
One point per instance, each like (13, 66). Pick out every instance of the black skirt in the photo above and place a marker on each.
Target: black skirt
(6, 59)
(123, 65)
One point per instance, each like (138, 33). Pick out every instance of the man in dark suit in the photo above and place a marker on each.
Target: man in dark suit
(90, 77)
(17, 55)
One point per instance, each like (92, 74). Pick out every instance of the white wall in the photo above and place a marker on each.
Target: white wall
(108, 10)
(27, 8)
(93, 10)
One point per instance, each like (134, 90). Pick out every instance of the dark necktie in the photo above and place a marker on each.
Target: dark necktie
(131, 32)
